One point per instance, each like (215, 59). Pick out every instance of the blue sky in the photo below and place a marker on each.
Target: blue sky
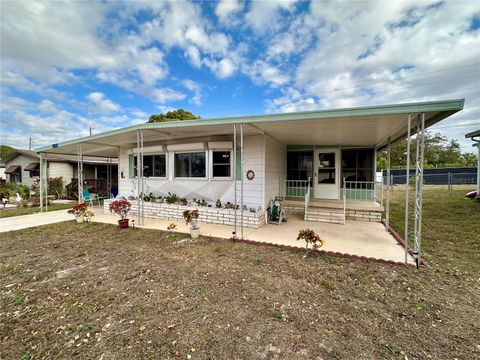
(68, 66)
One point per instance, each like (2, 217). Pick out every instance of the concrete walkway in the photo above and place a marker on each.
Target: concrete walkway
(358, 238)
(27, 221)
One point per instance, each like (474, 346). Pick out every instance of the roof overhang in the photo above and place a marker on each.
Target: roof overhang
(473, 134)
(361, 126)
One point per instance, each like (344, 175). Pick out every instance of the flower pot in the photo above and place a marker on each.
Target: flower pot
(79, 219)
(123, 223)
(195, 232)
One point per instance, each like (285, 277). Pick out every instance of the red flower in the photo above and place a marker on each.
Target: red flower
(120, 207)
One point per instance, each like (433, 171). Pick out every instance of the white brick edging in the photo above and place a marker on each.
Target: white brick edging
(209, 215)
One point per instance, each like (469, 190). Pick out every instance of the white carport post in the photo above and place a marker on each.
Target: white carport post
(417, 230)
(45, 167)
(140, 180)
(41, 182)
(387, 201)
(235, 181)
(80, 172)
(478, 166)
(407, 178)
(241, 178)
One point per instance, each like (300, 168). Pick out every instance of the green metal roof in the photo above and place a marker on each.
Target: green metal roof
(443, 109)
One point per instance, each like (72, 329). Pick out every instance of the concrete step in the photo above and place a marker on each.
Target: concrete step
(326, 215)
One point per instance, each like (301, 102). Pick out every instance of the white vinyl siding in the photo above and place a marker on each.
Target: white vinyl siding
(61, 169)
(275, 168)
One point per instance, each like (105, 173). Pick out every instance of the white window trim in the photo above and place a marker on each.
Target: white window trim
(231, 165)
(207, 161)
(153, 177)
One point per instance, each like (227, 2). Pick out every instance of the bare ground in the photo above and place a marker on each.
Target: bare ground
(94, 291)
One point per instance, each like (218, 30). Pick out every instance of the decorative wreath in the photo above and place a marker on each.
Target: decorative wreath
(250, 174)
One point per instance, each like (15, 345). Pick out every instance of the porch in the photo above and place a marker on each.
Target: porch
(355, 238)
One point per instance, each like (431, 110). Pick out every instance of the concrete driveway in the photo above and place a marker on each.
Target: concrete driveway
(27, 221)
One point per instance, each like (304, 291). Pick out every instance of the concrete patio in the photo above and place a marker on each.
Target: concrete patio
(358, 238)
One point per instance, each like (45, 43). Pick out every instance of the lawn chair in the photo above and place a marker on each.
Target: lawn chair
(87, 197)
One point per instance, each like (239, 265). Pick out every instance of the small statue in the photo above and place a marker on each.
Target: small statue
(218, 204)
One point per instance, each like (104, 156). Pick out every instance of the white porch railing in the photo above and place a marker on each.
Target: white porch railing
(307, 199)
(298, 188)
(363, 191)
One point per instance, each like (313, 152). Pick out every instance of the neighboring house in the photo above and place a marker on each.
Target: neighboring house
(2, 170)
(331, 152)
(23, 166)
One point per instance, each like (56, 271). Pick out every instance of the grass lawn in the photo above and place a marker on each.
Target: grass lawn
(31, 210)
(94, 291)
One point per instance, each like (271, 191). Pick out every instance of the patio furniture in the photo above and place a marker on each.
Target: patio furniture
(87, 197)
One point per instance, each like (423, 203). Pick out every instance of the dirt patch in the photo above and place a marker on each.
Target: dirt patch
(135, 294)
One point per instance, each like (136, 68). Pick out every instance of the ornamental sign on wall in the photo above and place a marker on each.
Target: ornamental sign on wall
(250, 174)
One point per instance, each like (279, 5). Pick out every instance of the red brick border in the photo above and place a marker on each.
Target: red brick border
(324, 252)
(401, 242)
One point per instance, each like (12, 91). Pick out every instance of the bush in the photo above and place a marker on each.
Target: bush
(55, 187)
(10, 189)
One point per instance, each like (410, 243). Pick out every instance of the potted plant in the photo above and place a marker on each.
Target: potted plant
(191, 217)
(78, 211)
(121, 208)
(311, 238)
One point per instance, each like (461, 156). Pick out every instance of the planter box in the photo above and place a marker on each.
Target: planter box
(208, 215)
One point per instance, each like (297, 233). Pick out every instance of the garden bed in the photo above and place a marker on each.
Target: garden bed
(209, 215)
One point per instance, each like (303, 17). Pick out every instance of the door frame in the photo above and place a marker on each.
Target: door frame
(327, 191)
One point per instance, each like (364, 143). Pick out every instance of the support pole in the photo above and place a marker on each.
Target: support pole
(235, 180)
(80, 172)
(46, 184)
(140, 180)
(241, 179)
(417, 235)
(407, 178)
(478, 168)
(387, 201)
(41, 182)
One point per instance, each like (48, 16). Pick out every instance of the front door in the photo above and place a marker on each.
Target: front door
(327, 173)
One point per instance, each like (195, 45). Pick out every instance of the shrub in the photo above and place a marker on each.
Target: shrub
(56, 187)
(311, 238)
(200, 202)
(10, 189)
(78, 210)
(190, 217)
(171, 198)
(120, 207)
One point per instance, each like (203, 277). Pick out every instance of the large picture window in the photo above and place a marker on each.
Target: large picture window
(221, 163)
(299, 165)
(153, 165)
(357, 164)
(190, 165)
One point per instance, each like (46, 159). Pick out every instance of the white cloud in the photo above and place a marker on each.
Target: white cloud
(196, 89)
(263, 15)
(263, 72)
(46, 106)
(101, 104)
(161, 96)
(227, 11)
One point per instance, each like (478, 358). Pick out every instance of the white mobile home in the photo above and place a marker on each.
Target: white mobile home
(330, 155)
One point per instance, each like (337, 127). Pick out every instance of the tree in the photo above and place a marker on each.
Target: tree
(439, 152)
(469, 159)
(176, 115)
(5, 151)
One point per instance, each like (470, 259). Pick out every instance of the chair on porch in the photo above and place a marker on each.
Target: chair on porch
(87, 197)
